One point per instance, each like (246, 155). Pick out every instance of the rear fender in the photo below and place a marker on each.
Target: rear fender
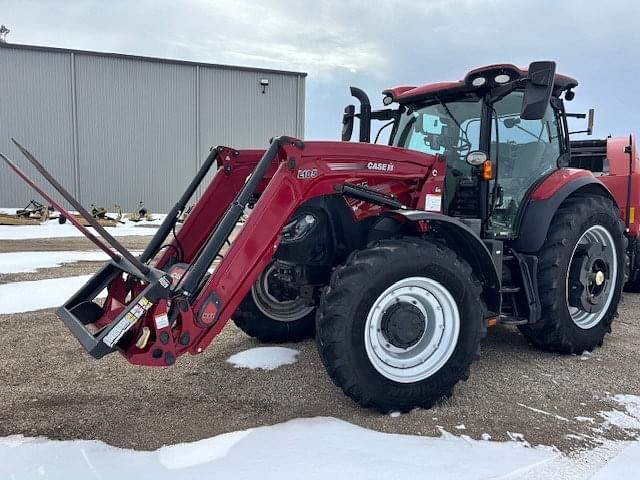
(547, 198)
(465, 243)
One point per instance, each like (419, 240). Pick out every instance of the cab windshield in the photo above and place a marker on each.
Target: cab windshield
(451, 129)
(522, 151)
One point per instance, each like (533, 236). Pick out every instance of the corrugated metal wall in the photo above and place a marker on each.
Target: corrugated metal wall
(120, 129)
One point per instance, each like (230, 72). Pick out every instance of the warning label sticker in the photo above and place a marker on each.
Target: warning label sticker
(433, 203)
(132, 316)
(162, 321)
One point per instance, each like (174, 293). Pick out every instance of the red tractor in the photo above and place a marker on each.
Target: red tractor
(479, 211)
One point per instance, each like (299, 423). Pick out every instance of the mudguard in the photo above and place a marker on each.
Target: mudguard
(545, 201)
(468, 245)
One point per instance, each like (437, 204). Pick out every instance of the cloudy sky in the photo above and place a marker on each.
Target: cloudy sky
(372, 44)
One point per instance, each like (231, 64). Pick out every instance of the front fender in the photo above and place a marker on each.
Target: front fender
(468, 245)
(546, 199)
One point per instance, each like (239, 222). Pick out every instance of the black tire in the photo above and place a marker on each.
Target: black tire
(557, 331)
(62, 219)
(257, 323)
(633, 282)
(633, 285)
(345, 305)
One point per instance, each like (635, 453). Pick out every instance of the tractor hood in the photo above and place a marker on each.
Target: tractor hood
(357, 152)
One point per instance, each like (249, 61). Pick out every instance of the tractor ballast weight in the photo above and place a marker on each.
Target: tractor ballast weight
(398, 257)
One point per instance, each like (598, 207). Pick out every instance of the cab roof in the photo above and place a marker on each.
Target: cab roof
(408, 94)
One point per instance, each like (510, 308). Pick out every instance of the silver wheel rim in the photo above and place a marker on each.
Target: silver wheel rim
(582, 318)
(438, 340)
(281, 311)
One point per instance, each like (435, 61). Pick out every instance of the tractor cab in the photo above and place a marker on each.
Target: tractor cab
(501, 130)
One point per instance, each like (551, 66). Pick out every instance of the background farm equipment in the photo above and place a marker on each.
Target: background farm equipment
(142, 213)
(100, 215)
(34, 213)
(480, 211)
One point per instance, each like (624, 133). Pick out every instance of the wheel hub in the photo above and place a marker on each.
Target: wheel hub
(599, 278)
(589, 272)
(412, 329)
(278, 299)
(403, 325)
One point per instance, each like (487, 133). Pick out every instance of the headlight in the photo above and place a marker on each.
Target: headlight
(476, 158)
(502, 78)
(478, 81)
(298, 228)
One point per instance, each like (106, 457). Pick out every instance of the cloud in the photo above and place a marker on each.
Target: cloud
(370, 44)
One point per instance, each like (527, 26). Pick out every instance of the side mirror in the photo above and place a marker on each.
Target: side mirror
(538, 89)
(347, 122)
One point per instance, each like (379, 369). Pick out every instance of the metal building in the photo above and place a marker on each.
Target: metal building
(121, 128)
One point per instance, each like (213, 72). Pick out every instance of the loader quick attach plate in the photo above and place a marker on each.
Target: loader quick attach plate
(80, 311)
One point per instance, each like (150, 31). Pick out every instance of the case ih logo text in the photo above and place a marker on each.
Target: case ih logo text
(311, 173)
(383, 167)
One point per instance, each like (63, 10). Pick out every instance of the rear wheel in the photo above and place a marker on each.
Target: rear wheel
(581, 273)
(274, 311)
(400, 324)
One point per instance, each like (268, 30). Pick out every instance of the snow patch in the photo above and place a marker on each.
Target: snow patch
(18, 262)
(460, 427)
(21, 297)
(631, 404)
(625, 465)
(620, 419)
(264, 358)
(394, 414)
(627, 420)
(585, 419)
(315, 448)
(537, 410)
(52, 229)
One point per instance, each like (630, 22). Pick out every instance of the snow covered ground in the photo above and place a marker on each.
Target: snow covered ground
(52, 229)
(315, 448)
(264, 358)
(38, 294)
(16, 262)
(626, 465)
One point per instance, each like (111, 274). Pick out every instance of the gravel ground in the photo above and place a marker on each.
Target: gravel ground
(49, 386)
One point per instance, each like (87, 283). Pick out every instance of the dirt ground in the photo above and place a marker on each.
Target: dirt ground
(49, 386)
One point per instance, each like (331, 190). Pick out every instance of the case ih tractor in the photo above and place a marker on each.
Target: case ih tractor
(479, 211)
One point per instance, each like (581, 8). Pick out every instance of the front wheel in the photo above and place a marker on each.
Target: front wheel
(400, 324)
(580, 276)
(274, 310)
